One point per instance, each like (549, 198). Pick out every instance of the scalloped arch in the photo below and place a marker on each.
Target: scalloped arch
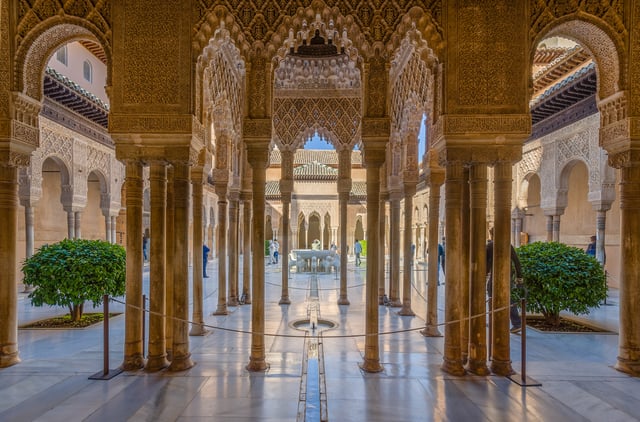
(595, 36)
(416, 18)
(40, 44)
(217, 17)
(358, 48)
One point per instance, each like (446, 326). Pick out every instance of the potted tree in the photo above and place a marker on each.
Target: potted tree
(560, 278)
(74, 271)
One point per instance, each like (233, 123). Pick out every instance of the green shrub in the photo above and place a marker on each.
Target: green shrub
(72, 272)
(561, 278)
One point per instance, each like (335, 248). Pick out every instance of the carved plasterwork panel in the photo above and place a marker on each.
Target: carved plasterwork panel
(493, 30)
(224, 79)
(267, 21)
(292, 117)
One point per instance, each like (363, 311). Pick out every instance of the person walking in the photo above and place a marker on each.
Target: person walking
(272, 249)
(441, 259)
(357, 249)
(205, 259)
(276, 251)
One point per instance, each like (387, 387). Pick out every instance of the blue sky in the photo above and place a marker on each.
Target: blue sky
(318, 143)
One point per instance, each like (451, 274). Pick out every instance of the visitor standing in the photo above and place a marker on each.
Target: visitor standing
(205, 259)
(276, 250)
(357, 249)
(591, 248)
(271, 251)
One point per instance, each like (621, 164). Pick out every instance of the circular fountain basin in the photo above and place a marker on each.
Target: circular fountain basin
(305, 325)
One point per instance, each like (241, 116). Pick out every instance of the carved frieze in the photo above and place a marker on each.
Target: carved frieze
(257, 128)
(148, 123)
(499, 124)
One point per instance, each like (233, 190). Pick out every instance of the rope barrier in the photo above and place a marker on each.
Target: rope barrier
(233, 330)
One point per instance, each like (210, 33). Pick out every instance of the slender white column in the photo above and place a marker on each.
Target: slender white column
(157, 355)
(409, 191)
(181, 359)
(452, 362)
(8, 260)
(373, 159)
(233, 247)
(431, 329)
(477, 361)
(394, 240)
(258, 157)
(246, 255)
(77, 224)
(114, 238)
(221, 191)
(501, 352)
(107, 229)
(197, 328)
(133, 358)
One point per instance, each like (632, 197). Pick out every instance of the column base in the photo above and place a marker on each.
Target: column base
(181, 363)
(9, 359)
(169, 355)
(343, 301)
(478, 367)
(233, 301)
(371, 365)
(406, 312)
(198, 330)
(257, 365)
(284, 300)
(156, 363)
(631, 367)
(431, 331)
(502, 367)
(133, 362)
(247, 300)
(222, 310)
(395, 303)
(453, 367)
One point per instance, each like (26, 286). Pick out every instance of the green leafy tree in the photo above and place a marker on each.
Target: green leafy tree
(561, 278)
(72, 272)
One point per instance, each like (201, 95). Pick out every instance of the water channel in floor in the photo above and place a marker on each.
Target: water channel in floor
(313, 399)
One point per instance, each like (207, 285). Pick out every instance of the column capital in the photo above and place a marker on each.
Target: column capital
(257, 153)
(373, 153)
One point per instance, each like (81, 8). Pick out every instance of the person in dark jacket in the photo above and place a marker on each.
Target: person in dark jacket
(205, 258)
(516, 273)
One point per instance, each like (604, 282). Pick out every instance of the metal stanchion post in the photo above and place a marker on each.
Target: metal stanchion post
(522, 379)
(144, 324)
(106, 373)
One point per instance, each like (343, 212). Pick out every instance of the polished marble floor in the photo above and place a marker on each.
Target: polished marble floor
(575, 370)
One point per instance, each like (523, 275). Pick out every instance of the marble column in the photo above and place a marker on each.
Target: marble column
(465, 267)
(197, 188)
(258, 157)
(381, 262)
(157, 353)
(286, 187)
(77, 224)
(556, 228)
(373, 159)
(516, 226)
(394, 242)
(221, 191)
(234, 253)
(431, 329)
(113, 229)
(409, 192)
(246, 253)
(107, 228)
(629, 334)
(133, 358)
(477, 361)
(169, 260)
(70, 224)
(181, 359)
(8, 262)
(500, 350)
(344, 190)
(549, 227)
(452, 362)
(284, 250)
(29, 230)
(601, 224)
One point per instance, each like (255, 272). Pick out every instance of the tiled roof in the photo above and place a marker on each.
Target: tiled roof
(272, 190)
(315, 171)
(305, 156)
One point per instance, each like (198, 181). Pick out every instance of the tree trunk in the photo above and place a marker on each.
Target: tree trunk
(552, 318)
(76, 312)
